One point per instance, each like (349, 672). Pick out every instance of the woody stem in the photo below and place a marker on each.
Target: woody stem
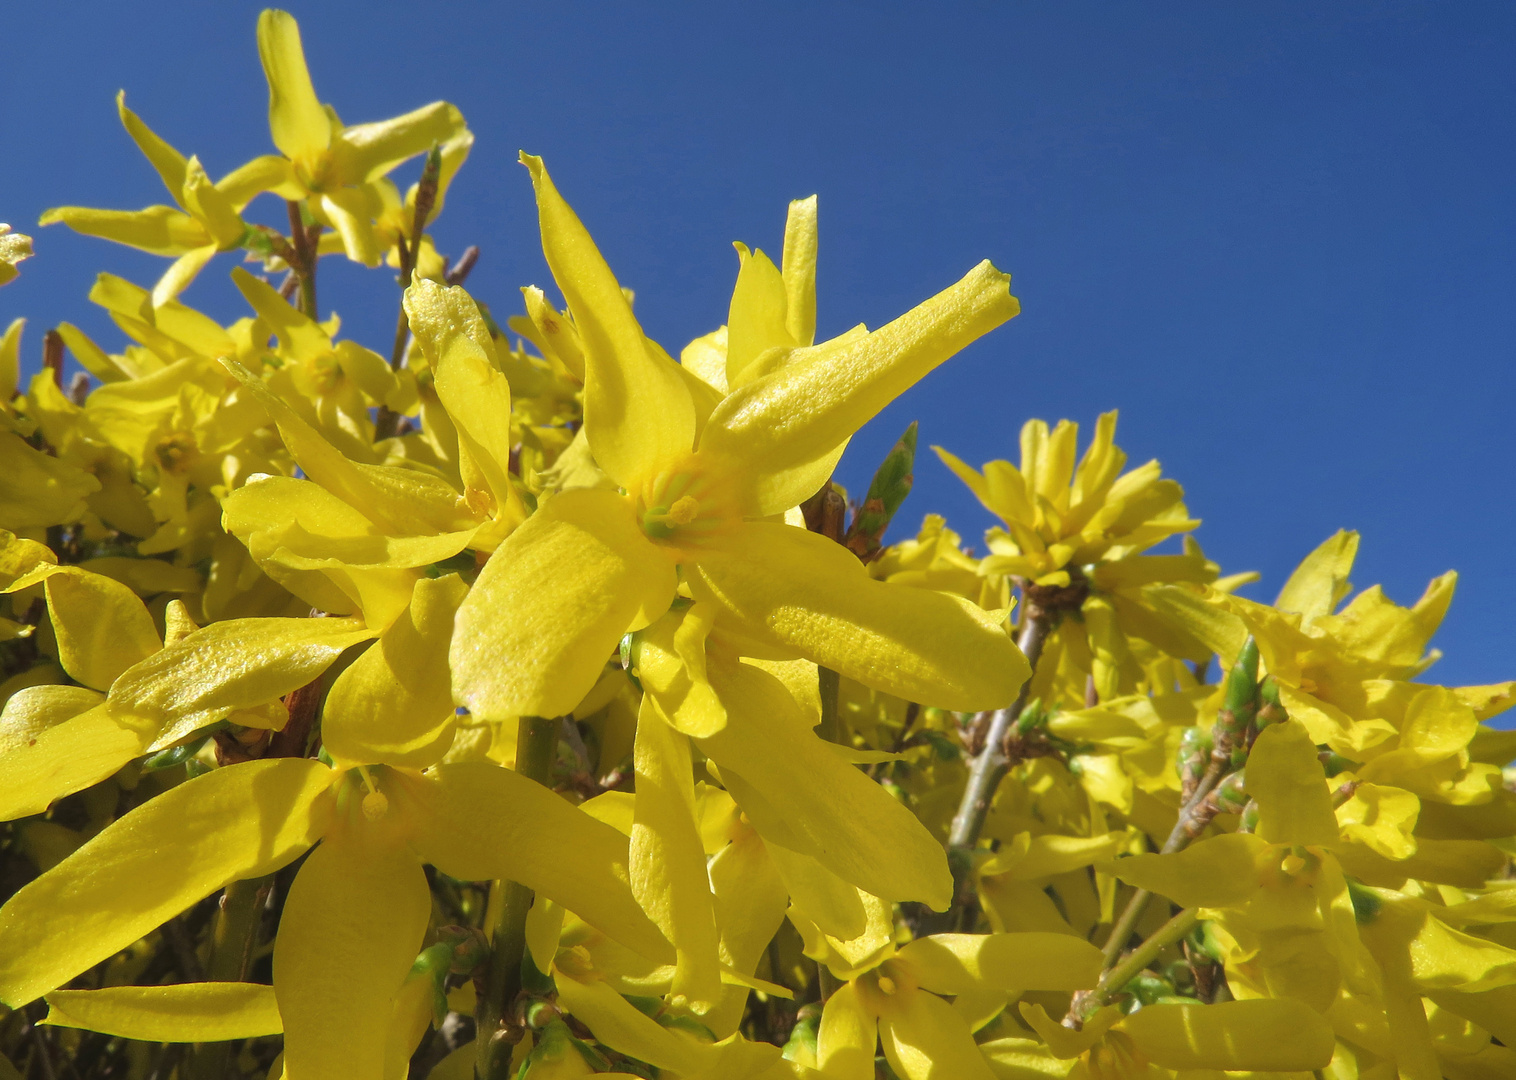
(536, 745)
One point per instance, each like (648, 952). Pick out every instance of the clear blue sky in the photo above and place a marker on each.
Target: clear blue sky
(1278, 236)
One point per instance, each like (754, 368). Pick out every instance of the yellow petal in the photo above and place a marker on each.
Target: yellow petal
(1320, 582)
(1284, 775)
(842, 817)
(638, 414)
(924, 1039)
(670, 663)
(750, 900)
(349, 212)
(619, 1025)
(1067, 1042)
(404, 502)
(1261, 1035)
(478, 398)
(756, 319)
(350, 931)
(956, 963)
(296, 120)
(102, 627)
(848, 1035)
(1221, 871)
(668, 871)
(32, 710)
(549, 607)
(161, 230)
(799, 270)
(394, 705)
(65, 758)
(212, 208)
(365, 152)
(38, 490)
(478, 822)
(169, 163)
(820, 397)
(182, 273)
(236, 664)
(801, 592)
(10, 358)
(182, 1012)
(241, 821)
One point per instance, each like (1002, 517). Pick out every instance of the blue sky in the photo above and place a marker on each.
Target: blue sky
(1277, 236)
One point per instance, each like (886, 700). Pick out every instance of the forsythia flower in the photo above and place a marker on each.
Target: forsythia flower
(518, 701)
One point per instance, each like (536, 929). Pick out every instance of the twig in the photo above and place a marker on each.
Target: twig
(52, 355)
(459, 274)
(1087, 1001)
(303, 240)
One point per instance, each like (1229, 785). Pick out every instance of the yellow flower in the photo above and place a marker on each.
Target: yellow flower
(13, 248)
(208, 218)
(895, 1002)
(333, 165)
(551, 603)
(1257, 1036)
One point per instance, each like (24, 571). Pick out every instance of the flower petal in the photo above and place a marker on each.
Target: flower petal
(924, 1039)
(1261, 1035)
(798, 267)
(1217, 872)
(638, 414)
(182, 1012)
(823, 395)
(847, 1038)
(241, 821)
(552, 602)
(101, 625)
(236, 664)
(67, 757)
(956, 963)
(296, 120)
(478, 822)
(1284, 774)
(799, 591)
(394, 704)
(350, 931)
(668, 871)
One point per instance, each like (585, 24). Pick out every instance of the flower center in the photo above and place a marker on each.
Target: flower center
(681, 506)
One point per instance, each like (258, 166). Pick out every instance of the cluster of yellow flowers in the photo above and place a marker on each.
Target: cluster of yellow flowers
(527, 703)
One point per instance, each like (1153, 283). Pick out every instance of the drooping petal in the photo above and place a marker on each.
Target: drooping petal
(818, 399)
(549, 607)
(296, 120)
(349, 933)
(38, 490)
(1260, 1035)
(638, 415)
(750, 903)
(1284, 774)
(181, 1012)
(924, 1039)
(182, 273)
(350, 213)
(394, 705)
(802, 592)
(957, 963)
(668, 871)
(843, 818)
(241, 821)
(478, 822)
(213, 209)
(236, 664)
(847, 1038)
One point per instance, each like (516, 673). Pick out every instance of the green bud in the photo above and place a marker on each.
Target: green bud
(1242, 682)
(1366, 904)
(174, 755)
(1031, 717)
(802, 1042)
(1231, 795)
(1249, 817)
(631, 646)
(891, 484)
(1335, 763)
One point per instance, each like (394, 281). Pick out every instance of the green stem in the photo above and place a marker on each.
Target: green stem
(536, 745)
(1114, 979)
(830, 684)
(233, 941)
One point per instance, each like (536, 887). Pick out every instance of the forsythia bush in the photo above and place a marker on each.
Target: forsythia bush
(527, 703)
